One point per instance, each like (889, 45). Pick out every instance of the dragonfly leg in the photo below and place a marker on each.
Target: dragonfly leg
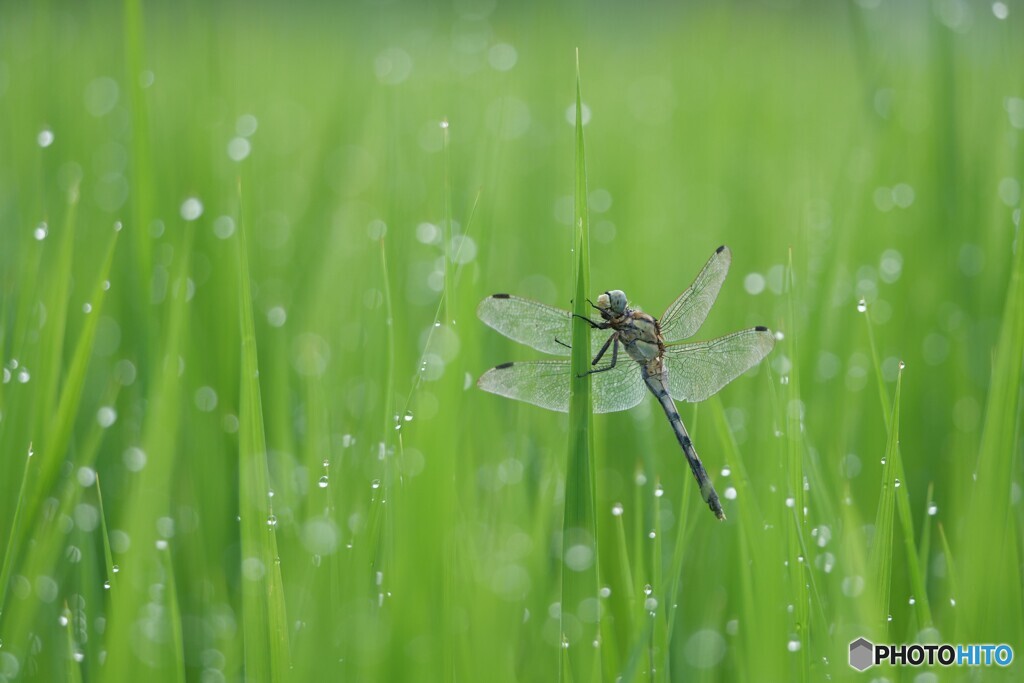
(600, 354)
(594, 325)
(614, 339)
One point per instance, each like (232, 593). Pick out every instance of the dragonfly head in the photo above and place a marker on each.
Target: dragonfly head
(612, 303)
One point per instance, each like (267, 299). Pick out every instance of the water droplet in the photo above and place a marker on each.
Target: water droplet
(790, 502)
(323, 482)
(647, 589)
(191, 209)
(658, 491)
(62, 620)
(41, 231)
(651, 534)
(793, 645)
(271, 521)
(889, 618)
(375, 484)
(106, 585)
(115, 569)
(87, 307)
(641, 479)
(862, 306)
(444, 124)
(617, 509)
(911, 601)
(326, 463)
(161, 544)
(726, 471)
(933, 510)
(408, 416)
(605, 591)
(897, 484)
(45, 138)
(902, 365)
(784, 379)
(730, 493)
(883, 460)
(79, 655)
(952, 602)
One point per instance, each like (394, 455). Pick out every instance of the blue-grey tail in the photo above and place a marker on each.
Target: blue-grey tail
(707, 489)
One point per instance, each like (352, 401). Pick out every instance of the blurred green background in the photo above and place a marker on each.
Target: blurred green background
(319, 492)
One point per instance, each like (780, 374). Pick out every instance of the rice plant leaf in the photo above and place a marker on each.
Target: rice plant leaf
(880, 562)
(579, 580)
(264, 621)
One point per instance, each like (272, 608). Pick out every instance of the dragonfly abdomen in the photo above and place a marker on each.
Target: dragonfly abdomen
(655, 382)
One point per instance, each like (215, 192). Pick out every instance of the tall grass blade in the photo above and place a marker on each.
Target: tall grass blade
(991, 561)
(922, 606)
(579, 538)
(264, 621)
(880, 562)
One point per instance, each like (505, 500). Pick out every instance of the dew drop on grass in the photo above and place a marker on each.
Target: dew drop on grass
(862, 306)
(115, 569)
(323, 482)
(375, 484)
(726, 471)
(87, 307)
(911, 601)
(271, 521)
(45, 138)
(790, 502)
(902, 365)
(793, 645)
(659, 491)
(617, 510)
(161, 544)
(106, 585)
(730, 493)
(327, 462)
(41, 231)
(62, 620)
(933, 509)
(897, 483)
(191, 209)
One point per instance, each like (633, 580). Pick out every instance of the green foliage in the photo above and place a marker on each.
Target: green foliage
(843, 151)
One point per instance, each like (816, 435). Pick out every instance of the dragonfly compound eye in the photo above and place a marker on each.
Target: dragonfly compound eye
(617, 300)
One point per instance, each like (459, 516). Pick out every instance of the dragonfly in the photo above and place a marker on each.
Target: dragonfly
(657, 360)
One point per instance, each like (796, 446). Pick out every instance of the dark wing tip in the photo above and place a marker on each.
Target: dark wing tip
(503, 366)
(500, 296)
(761, 328)
(720, 249)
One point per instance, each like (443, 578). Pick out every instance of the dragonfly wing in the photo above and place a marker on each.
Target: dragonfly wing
(687, 313)
(545, 383)
(699, 370)
(539, 326)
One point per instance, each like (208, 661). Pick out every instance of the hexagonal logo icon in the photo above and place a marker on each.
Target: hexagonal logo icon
(861, 654)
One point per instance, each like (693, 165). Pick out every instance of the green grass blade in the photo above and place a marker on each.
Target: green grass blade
(264, 621)
(990, 561)
(880, 562)
(579, 526)
(922, 606)
(16, 532)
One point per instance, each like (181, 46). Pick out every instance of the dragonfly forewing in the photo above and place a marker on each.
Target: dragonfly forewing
(545, 383)
(539, 326)
(687, 313)
(698, 370)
